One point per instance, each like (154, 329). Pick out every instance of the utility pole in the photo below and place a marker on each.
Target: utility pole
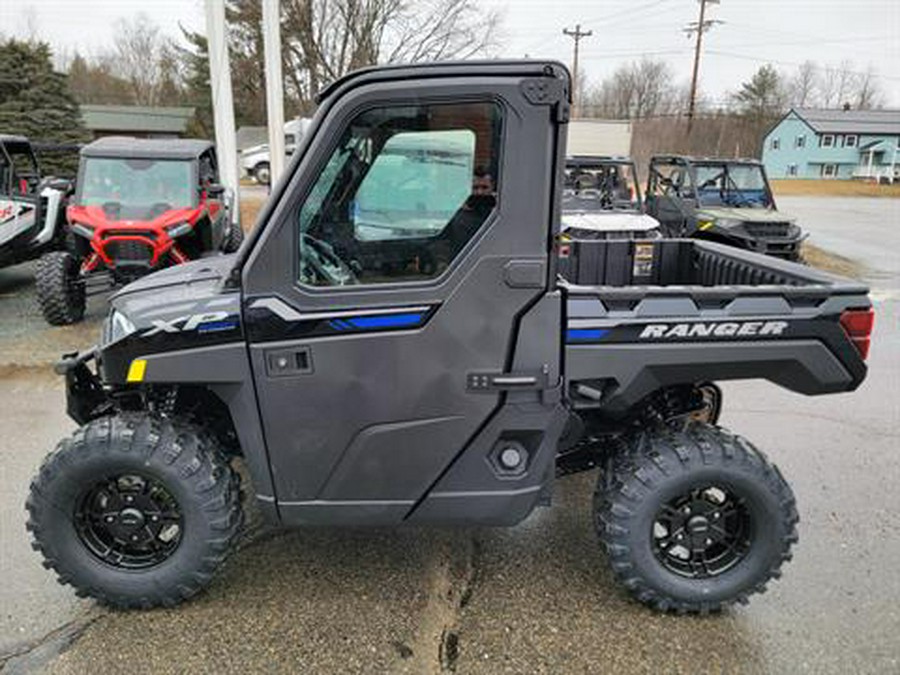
(576, 35)
(223, 104)
(699, 27)
(271, 27)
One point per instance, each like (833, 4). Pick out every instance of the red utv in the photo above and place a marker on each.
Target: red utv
(140, 205)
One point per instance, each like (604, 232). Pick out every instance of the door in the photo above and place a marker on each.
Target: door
(393, 284)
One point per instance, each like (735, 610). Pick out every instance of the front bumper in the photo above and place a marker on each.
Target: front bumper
(786, 248)
(86, 399)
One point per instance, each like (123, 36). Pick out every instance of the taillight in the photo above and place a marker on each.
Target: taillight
(858, 323)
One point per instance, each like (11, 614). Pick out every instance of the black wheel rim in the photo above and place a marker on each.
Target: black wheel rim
(129, 521)
(702, 533)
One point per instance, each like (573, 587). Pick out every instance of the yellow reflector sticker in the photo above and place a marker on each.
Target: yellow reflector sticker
(136, 370)
(706, 224)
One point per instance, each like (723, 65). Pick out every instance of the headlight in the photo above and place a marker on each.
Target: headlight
(117, 326)
(180, 229)
(728, 223)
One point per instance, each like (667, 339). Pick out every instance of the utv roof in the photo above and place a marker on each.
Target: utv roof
(705, 160)
(10, 139)
(590, 160)
(146, 148)
(447, 69)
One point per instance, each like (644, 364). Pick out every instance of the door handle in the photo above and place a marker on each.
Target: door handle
(287, 362)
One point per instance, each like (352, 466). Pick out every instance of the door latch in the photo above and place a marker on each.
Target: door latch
(286, 362)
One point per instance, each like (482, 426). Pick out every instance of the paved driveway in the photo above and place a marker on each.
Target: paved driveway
(534, 598)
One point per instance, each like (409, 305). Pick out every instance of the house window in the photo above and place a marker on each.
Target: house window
(776, 143)
(829, 170)
(826, 141)
(792, 170)
(800, 142)
(850, 141)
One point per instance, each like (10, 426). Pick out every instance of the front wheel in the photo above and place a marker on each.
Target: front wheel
(694, 520)
(135, 510)
(60, 290)
(233, 239)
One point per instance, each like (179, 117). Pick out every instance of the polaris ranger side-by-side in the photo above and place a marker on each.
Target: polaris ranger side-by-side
(450, 386)
(139, 205)
(602, 200)
(723, 200)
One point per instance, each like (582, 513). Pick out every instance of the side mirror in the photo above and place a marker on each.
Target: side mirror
(215, 189)
(59, 184)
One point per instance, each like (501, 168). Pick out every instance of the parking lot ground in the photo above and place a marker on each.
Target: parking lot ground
(535, 598)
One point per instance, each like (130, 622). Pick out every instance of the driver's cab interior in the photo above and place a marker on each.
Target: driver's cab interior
(19, 172)
(402, 195)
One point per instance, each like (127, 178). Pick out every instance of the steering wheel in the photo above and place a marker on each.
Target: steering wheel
(159, 208)
(320, 262)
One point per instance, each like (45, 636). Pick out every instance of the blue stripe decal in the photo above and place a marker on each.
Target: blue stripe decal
(585, 334)
(386, 321)
(213, 326)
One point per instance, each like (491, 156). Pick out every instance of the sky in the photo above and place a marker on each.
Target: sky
(754, 32)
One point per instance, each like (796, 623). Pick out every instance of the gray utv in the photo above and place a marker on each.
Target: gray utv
(393, 345)
(723, 200)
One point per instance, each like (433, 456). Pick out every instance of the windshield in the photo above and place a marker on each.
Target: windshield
(604, 186)
(137, 189)
(740, 185)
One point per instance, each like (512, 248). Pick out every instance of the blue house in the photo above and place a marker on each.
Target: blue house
(809, 143)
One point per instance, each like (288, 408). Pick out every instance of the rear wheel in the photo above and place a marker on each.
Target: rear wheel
(135, 510)
(262, 173)
(60, 290)
(694, 520)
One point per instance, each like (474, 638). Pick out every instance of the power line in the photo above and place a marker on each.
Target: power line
(577, 35)
(795, 64)
(630, 12)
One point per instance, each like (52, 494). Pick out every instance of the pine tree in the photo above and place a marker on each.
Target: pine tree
(35, 102)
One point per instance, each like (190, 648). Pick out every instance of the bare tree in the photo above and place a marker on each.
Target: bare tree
(802, 88)
(638, 89)
(868, 91)
(144, 57)
(325, 39)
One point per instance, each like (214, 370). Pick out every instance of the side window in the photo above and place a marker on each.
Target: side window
(402, 194)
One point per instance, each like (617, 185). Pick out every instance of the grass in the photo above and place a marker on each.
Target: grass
(250, 206)
(831, 262)
(833, 188)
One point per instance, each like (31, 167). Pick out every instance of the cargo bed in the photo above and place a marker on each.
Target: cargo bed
(641, 315)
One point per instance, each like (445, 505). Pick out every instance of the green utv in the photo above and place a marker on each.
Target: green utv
(723, 200)
(420, 360)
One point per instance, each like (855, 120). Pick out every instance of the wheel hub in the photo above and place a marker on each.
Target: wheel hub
(702, 533)
(129, 521)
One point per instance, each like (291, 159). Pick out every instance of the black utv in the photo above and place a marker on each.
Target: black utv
(724, 200)
(452, 385)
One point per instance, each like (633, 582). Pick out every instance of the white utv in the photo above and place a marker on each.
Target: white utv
(32, 209)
